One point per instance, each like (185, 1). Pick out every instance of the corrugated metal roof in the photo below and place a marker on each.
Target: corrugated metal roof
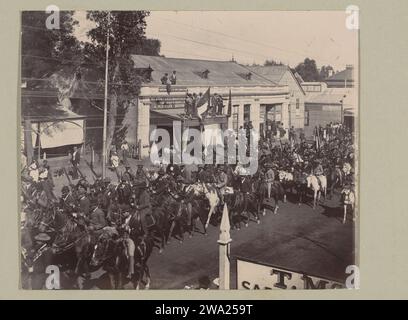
(324, 98)
(273, 73)
(222, 73)
(342, 75)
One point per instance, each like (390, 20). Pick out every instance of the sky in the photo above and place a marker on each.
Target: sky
(252, 36)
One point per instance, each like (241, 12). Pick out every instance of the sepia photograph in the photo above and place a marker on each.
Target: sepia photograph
(189, 150)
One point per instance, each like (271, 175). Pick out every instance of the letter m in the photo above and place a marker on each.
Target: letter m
(309, 284)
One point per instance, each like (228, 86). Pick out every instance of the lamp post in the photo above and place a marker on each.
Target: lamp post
(224, 251)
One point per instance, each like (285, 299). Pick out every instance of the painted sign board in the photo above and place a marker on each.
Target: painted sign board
(258, 276)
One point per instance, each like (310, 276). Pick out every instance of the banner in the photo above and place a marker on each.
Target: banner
(257, 276)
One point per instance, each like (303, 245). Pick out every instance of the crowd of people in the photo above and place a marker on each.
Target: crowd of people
(149, 202)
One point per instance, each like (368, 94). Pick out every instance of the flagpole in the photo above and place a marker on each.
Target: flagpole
(105, 106)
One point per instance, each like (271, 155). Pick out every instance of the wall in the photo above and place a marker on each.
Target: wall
(321, 115)
(296, 119)
(240, 96)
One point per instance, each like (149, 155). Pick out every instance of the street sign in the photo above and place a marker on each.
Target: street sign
(258, 276)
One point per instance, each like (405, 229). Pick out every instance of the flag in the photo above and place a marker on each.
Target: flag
(201, 102)
(229, 105)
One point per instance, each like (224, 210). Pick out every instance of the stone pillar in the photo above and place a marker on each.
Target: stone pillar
(131, 121)
(143, 128)
(285, 117)
(255, 115)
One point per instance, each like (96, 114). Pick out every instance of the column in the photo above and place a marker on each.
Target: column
(143, 128)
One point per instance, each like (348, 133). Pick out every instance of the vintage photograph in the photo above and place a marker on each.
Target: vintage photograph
(190, 150)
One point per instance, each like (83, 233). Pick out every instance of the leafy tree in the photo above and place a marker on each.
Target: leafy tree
(149, 47)
(126, 32)
(272, 63)
(325, 72)
(44, 50)
(308, 70)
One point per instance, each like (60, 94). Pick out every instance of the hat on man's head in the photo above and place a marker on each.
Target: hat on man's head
(42, 237)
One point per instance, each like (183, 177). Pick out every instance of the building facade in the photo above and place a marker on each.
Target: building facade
(324, 105)
(162, 106)
(283, 75)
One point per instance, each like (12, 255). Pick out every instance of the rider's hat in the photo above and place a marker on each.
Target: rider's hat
(268, 165)
(42, 237)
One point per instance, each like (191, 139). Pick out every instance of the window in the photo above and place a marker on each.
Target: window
(306, 118)
(235, 109)
(297, 107)
(247, 112)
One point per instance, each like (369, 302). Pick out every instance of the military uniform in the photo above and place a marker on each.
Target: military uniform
(84, 204)
(97, 219)
(145, 209)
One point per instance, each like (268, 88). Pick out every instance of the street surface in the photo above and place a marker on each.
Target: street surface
(297, 237)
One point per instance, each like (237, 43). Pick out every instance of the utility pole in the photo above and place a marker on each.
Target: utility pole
(105, 107)
(224, 250)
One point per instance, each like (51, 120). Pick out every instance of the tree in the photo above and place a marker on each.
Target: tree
(272, 63)
(150, 47)
(308, 70)
(44, 51)
(325, 72)
(126, 32)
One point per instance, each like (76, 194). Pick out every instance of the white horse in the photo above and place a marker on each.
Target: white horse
(349, 199)
(286, 178)
(210, 193)
(313, 182)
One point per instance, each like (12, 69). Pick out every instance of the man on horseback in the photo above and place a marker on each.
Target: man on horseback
(318, 171)
(144, 207)
(221, 182)
(269, 177)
